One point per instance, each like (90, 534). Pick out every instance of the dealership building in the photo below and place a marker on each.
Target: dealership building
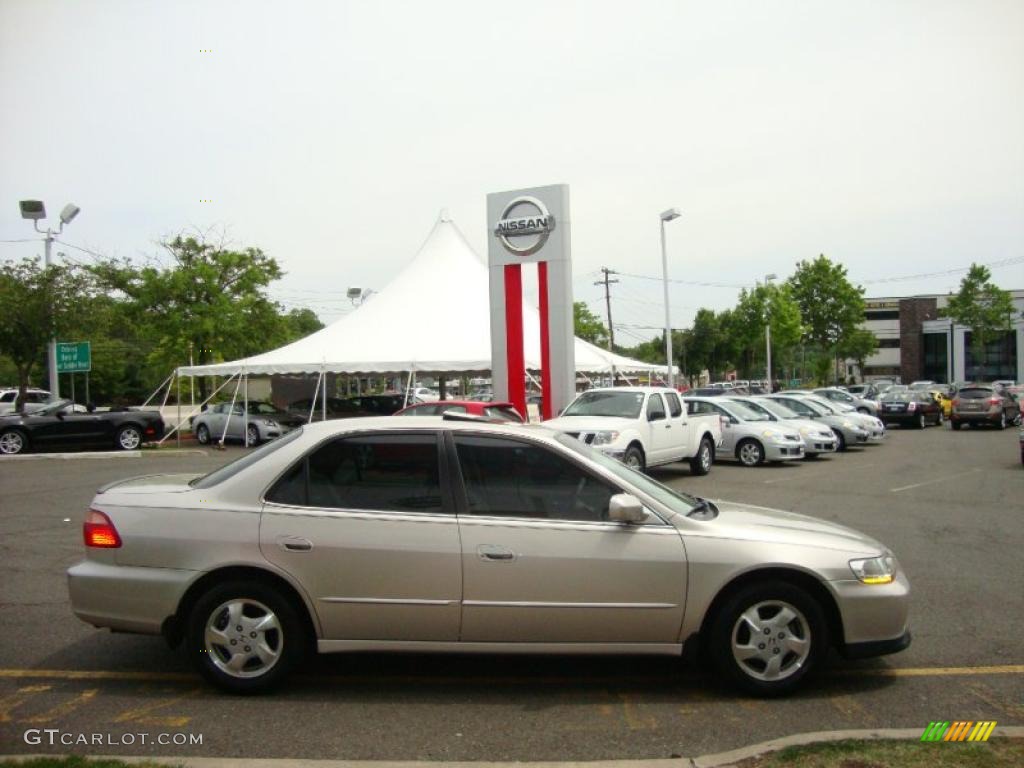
(915, 342)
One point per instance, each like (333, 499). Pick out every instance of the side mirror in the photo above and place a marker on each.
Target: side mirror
(626, 508)
(60, 415)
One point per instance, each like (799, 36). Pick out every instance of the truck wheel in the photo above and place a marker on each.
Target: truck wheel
(750, 453)
(634, 458)
(701, 463)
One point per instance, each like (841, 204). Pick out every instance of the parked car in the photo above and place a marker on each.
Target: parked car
(749, 435)
(9, 398)
(423, 394)
(818, 438)
(336, 407)
(642, 426)
(261, 422)
(977, 404)
(867, 391)
(495, 411)
(847, 431)
(357, 535)
(914, 408)
(60, 425)
(874, 425)
(860, 404)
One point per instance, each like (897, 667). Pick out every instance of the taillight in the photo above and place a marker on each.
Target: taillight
(956, 402)
(912, 407)
(98, 531)
(995, 401)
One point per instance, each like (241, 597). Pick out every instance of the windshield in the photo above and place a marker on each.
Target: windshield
(677, 501)
(893, 397)
(236, 466)
(777, 409)
(827, 406)
(261, 408)
(746, 412)
(625, 405)
(815, 408)
(50, 408)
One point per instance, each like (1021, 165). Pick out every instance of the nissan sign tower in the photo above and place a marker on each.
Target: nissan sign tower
(531, 226)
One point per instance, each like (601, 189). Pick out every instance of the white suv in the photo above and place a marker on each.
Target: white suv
(9, 398)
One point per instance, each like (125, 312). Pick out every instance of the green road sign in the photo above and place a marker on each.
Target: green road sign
(74, 357)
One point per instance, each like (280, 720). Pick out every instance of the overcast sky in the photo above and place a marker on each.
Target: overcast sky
(888, 135)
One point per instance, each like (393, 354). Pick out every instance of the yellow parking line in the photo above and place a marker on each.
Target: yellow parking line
(96, 674)
(63, 709)
(11, 702)
(1002, 669)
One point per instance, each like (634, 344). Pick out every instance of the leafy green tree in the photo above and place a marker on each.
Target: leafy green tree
(588, 326)
(300, 323)
(39, 303)
(832, 308)
(981, 306)
(858, 346)
(207, 296)
(765, 305)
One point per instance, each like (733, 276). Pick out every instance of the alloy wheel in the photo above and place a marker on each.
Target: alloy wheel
(751, 454)
(243, 638)
(771, 640)
(11, 443)
(129, 438)
(252, 435)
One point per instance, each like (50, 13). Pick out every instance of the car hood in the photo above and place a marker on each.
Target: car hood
(811, 426)
(153, 484)
(588, 423)
(750, 523)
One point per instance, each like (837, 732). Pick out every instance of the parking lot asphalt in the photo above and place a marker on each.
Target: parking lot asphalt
(948, 503)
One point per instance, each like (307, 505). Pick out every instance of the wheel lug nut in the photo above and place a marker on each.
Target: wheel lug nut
(782, 635)
(234, 642)
(767, 631)
(247, 649)
(775, 650)
(238, 628)
(760, 646)
(253, 634)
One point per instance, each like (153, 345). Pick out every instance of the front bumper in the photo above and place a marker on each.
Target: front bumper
(874, 648)
(814, 445)
(873, 614)
(126, 598)
(789, 451)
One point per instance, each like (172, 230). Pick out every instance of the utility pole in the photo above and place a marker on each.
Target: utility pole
(608, 305)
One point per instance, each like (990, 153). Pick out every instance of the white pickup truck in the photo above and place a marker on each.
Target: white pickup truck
(642, 426)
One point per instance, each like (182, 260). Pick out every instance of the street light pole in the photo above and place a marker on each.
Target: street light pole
(669, 215)
(36, 210)
(768, 332)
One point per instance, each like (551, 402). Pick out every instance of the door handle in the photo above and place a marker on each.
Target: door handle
(668, 426)
(495, 553)
(294, 544)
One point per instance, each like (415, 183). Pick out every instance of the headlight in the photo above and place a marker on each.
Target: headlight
(270, 422)
(804, 431)
(848, 424)
(875, 570)
(771, 434)
(604, 438)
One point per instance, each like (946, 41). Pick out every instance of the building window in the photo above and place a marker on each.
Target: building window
(887, 343)
(935, 347)
(882, 314)
(998, 361)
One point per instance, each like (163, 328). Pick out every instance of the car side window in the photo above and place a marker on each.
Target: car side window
(449, 408)
(674, 408)
(655, 407)
(421, 410)
(35, 397)
(509, 478)
(8, 397)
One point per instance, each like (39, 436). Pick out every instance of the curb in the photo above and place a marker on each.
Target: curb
(719, 760)
(106, 454)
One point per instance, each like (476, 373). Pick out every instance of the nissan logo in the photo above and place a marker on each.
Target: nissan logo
(524, 226)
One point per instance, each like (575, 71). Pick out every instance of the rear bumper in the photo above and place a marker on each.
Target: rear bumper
(989, 417)
(126, 598)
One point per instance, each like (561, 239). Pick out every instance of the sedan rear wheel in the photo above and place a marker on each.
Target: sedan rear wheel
(12, 442)
(203, 434)
(750, 453)
(768, 637)
(129, 438)
(245, 637)
(1002, 420)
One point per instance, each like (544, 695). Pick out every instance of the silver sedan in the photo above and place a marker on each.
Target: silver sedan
(750, 435)
(818, 438)
(452, 535)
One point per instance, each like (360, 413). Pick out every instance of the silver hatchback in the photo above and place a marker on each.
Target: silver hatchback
(379, 534)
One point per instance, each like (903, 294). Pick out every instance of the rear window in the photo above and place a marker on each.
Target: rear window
(976, 393)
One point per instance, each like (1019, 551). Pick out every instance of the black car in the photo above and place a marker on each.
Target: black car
(60, 425)
(910, 408)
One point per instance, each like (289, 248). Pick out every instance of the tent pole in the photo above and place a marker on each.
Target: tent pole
(231, 412)
(179, 407)
(408, 387)
(245, 407)
(194, 411)
(312, 405)
(323, 397)
(164, 382)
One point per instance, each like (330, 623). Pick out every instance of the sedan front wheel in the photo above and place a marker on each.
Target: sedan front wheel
(768, 637)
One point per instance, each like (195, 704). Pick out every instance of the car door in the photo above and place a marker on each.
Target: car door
(661, 442)
(366, 525)
(541, 563)
(680, 423)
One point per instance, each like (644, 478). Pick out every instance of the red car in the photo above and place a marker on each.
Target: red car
(498, 411)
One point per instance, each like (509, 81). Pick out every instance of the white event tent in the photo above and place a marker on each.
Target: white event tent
(434, 317)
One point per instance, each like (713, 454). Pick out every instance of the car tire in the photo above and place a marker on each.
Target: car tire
(750, 453)
(1002, 420)
(840, 440)
(203, 434)
(922, 421)
(252, 434)
(128, 438)
(955, 424)
(701, 463)
(13, 442)
(634, 458)
(939, 419)
(750, 631)
(863, 410)
(219, 650)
